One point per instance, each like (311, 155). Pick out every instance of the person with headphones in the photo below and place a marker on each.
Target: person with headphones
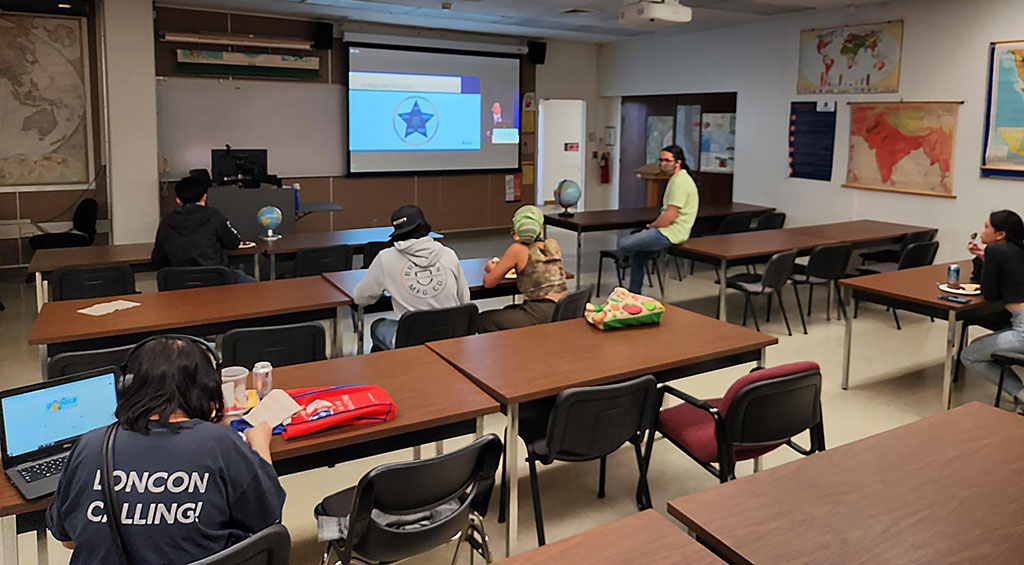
(165, 483)
(672, 226)
(539, 274)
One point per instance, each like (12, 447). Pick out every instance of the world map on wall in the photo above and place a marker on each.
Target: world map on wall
(853, 59)
(902, 146)
(43, 101)
(1005, 147)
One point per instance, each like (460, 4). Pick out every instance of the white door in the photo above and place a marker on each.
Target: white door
(561, 146)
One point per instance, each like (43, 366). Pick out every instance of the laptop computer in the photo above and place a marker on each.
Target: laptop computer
(39, 424)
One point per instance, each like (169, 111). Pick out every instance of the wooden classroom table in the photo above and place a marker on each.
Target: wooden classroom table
(346, 282)
(433, 402)
(572, 353)
(48, 260)
(751, 247)
(295, 242)
(916, 290)
(59, 327)
(628, 218)
(644, 537)
(939, 490)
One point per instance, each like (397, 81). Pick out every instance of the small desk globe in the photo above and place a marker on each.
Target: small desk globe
(567, 193)
(269, 217)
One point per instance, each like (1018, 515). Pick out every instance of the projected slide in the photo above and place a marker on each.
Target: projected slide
(401, 112)
(414, 110)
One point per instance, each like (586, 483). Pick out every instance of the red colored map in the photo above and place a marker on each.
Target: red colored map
(894, 133)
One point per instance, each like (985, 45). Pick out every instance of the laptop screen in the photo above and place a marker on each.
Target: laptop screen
(41, 418)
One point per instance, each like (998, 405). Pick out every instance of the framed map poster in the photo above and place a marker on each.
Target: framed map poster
(1003, 153)
(44, 101)
(862, 59)
(902, 147)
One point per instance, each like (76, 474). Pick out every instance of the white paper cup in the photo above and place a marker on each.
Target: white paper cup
(234, 382)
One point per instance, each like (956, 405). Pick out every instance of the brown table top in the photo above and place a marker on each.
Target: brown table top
(346, 281)
(644, 537)
(918, 285)
(940, 490)
(427, 392)
(290, 243)
(751, 244)
(858, 231)
(529, 363)
(59, 322)
(633, 217)
(46, 260)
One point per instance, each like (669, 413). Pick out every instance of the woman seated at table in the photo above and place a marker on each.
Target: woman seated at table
(185, 487)
(539, 274)
(1002, 278)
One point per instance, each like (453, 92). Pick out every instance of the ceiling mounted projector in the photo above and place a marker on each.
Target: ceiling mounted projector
(653, 13)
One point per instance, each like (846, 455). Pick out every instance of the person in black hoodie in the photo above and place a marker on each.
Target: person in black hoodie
(195, 235)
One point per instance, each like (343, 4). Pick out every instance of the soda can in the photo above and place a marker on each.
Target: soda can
(263, 378)
(953, 275)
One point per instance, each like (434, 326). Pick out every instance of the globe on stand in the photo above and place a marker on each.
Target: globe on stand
(567, 193)
(269, 217)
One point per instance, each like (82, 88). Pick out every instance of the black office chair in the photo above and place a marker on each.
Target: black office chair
(64, 364)
(319, 260)
(621, 263)
(270, 546)
(1006, 359)
(591, 423)
(994, 322)
(826, 266)
(733, 223)
(280, 345)
(71, 283)
(915, 255)
(178, 278)
(760, 412)
(399, 510)
(770, 221)
(372, 249)
(572, 305)
(82, 233)
(893, 255)
(776, 273)
(420, 326)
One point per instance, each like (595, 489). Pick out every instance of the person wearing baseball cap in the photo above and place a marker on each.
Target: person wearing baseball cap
(417, 271)
(537, 263)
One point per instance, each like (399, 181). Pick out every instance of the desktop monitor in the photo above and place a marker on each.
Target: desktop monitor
(231, 166)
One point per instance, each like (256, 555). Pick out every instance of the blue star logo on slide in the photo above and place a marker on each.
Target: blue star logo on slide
(415, 120)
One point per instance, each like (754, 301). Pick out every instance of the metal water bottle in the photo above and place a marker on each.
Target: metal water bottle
(953, 276)
(263, 378)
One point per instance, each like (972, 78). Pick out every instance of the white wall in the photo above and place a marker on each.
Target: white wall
(560, 122)
(131, 116)
(945, 57)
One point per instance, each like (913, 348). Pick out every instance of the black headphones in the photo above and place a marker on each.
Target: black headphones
(206, 346)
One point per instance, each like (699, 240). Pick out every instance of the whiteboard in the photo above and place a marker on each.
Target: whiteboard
(302, 125)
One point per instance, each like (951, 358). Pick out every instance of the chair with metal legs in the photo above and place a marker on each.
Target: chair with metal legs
(825, 267)
(776, 273)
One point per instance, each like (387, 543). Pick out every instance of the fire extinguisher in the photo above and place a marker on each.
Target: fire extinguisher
(604, 164)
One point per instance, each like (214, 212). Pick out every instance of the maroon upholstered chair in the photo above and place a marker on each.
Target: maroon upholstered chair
(760, 412)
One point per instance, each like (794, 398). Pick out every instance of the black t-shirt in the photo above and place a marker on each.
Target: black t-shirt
(1002, 276)
(181, 496)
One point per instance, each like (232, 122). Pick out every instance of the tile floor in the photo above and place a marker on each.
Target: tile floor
(895, 379)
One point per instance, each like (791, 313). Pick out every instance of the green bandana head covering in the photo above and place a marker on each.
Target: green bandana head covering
(527, 223)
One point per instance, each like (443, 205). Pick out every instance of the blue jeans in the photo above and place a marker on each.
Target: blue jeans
(242, 276)
(978, 355)
(640, 247)
(382, 333)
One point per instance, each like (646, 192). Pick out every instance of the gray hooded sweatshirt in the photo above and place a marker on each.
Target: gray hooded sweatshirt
(418, 273)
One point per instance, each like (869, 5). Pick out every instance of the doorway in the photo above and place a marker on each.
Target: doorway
(561, 146)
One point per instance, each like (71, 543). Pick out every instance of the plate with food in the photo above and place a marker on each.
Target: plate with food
(511, 274)
(247, 245)
(966, 289)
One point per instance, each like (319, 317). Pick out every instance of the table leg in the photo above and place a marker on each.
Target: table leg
(40, 295)
(579, 258)
(949, 365)
(42, 546)
(256, 266)
(721, 292)
(273, 267)
(359, 330)
(9, 539)
(43, 357)
(479, 433)
(338, 347)
(511, 478)
(439, 447)
(847, 341)
(764, 357)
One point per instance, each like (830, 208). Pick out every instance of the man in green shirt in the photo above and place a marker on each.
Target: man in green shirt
(672, 227)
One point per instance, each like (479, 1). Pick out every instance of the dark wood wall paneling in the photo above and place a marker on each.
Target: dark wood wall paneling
(44, 206)
(450, 201)
(714, 188)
